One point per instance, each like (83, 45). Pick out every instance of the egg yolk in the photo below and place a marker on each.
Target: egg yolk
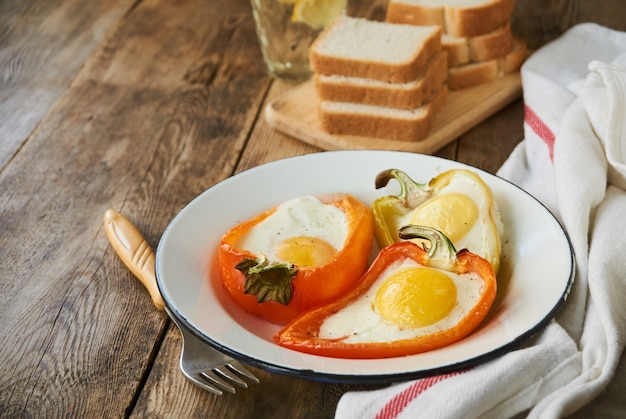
(305, 251)
(453, 214)
(415, 297)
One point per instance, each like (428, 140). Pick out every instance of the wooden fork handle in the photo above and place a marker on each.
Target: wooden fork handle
(134, 250)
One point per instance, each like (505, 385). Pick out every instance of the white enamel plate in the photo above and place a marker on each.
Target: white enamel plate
(536, 272)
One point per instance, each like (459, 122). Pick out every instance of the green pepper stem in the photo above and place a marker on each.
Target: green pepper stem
(441, 250)
(411, 192)
(268, 281)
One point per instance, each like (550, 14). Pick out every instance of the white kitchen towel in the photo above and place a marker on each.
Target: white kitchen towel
(572, 159)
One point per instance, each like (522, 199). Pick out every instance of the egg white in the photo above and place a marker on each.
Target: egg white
(302, 216)
(360, 323)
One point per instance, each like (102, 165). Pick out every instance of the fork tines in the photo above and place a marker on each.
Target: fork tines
(226, 375)
(209, 368)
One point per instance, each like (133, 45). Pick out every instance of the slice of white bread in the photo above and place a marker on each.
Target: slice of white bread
(357, 47)
(344, 118)
(474, 73)
(374, 92)
(462, 18)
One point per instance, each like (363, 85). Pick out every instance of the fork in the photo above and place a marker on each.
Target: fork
(203, 365)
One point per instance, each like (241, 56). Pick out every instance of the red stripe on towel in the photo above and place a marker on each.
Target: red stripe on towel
(540, 128)
(397, 403)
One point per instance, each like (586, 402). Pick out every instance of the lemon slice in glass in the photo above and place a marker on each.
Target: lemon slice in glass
(316, 13)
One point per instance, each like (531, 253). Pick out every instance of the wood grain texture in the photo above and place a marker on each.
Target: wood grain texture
(43, 44)
(164, 130)
(489, 144)
(539, 22)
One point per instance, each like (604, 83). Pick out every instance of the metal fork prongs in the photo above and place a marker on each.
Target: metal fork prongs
(207, 367)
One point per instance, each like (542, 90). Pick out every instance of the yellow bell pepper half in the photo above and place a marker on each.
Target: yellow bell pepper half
(457, 202)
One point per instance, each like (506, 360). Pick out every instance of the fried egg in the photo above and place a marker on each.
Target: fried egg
(464, 210)
(407, 301)
(303, 231)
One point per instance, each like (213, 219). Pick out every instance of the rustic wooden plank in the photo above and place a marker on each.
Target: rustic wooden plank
(179, 99)
(489, 144)
(266, 144)
(43, 44)
(539, 22)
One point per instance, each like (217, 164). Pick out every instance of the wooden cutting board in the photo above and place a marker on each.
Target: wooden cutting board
(295, 113)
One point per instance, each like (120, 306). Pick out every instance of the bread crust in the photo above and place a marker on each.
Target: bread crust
(394, 95)
(461, 21)
(400, 72)
(414, 14)
(472, 74)
(383, 125)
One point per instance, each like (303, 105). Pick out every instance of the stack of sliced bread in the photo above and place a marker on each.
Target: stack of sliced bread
(476, 34)
(379, 79)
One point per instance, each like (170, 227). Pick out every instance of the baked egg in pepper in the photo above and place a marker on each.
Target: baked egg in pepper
(304, 252)
(411, 300)
(456, 202)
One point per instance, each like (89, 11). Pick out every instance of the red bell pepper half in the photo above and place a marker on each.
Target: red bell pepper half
(302, 334)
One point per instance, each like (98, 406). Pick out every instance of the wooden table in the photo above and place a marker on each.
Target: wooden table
(140, 105)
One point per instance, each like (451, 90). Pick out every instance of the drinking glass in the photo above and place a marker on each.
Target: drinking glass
(286, 29)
